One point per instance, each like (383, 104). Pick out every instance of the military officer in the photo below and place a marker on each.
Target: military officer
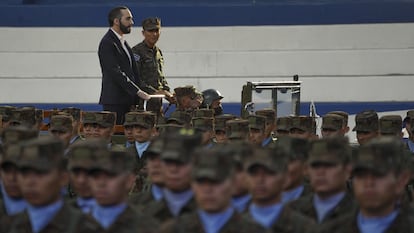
(204, 126)
(266, 175)
(329, 168)
(42, 175)
(332, 125)
(283, 125)
(257, 126)
(366, 126)
(302, 127)
(178, 198)
(237, 129)
(80, 161)
(61, 126)
(270, 115)
(220, 127)
(76, 115)
(112, 176)
(378, 180)
(150, 63)
(390, 125)
(297, 151)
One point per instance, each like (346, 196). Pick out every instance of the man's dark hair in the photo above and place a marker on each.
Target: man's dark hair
(115, 13)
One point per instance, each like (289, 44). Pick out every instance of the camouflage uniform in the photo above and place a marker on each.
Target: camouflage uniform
(290, 221)
(403, 223)
(192, 223)
(150, 62)
(129, 221)
(44, 154)
(381, 156)
(327, 151)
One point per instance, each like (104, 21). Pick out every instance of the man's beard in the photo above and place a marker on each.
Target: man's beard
(124, 29)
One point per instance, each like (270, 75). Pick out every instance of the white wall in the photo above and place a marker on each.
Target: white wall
(336, 62)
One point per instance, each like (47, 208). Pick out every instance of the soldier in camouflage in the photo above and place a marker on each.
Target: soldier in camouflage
(150, 63)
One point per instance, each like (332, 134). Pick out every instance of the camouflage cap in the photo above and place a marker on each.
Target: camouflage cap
(332, 122)
(272, 160)
(143, 119)
(74, 112)
(186, 91)
(212, 164)
(89, 118)
(269, 113)
(237, 128)
(203, 123)
(105, 119)
(335, 150)
(168, 128)
(61, 123)
(115, 161)
(257, 122)
(155, 147)
(180, 145)
(380, 155)
(11, 155)
(366, 121)
(180, 118)
(83, 153)
(343, 114)
(305, 123)
(16, 134)
(390, 124)
(42, 154)
(284, 123)
(220, 121)
(238, 150)
(23, 116)
(203, 112)
(296, 148)
(6, 112)
(152, 23)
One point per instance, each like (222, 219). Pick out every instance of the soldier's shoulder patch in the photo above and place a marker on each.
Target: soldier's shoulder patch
(136, 57)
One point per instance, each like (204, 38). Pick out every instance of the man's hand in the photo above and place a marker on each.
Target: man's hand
(143, 95)
(168, 96)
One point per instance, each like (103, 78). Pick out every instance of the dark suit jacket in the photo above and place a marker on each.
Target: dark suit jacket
(116, 67)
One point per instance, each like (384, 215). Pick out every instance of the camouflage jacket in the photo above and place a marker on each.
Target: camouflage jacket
(140, 170)
(150, 63)
(67, 220)
(403, 223)
(304, 205)
(290, 221)
(141, 198)
(160, 211)
(192, 223)
(131, 220)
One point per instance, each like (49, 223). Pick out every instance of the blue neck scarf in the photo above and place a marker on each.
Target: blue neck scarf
(128, 144)
(266, 141)
(213, 222)
(375, 224)
(176, 201)
(292, 195)
(13, 205)
(86, 204)
(141, 147)
(267, 215)
(240, 203)
(156, 192)
(40, 216)
(106, 215)
(323, 206)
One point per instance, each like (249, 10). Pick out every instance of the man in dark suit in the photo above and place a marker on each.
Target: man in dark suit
(120, 81)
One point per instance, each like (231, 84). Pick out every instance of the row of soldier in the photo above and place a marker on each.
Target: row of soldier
(267, 188)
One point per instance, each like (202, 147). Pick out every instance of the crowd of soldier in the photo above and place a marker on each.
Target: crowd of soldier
(199, 171)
